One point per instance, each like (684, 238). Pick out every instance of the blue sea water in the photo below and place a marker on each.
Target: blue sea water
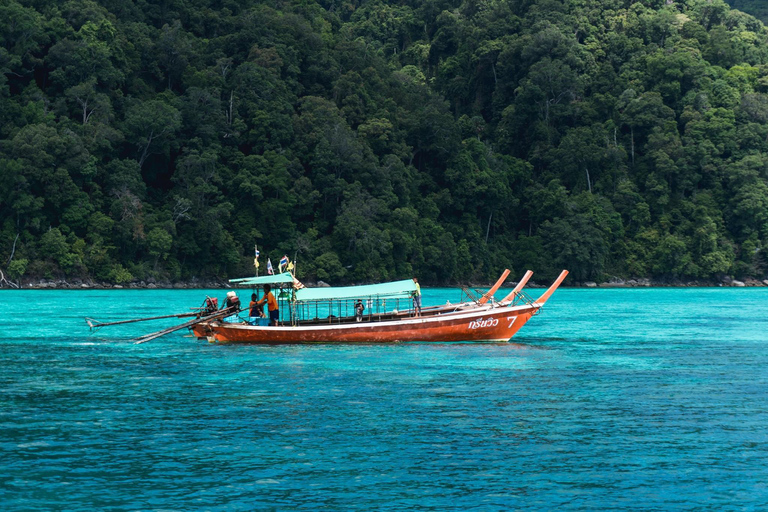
(649, 399)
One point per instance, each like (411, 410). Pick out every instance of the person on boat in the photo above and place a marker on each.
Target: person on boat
(271, 301)
(417, 298)
(255, 311)
(359, 308)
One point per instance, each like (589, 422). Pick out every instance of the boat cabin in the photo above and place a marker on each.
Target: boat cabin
(299, 305)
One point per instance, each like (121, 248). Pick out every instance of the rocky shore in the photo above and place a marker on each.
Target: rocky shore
(78, 284)
(726, 281)
(208, 284)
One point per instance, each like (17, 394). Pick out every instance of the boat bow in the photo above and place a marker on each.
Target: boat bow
(547, 294)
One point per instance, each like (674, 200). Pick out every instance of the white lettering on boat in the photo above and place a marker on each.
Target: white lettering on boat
(483, 322)
(511, 321)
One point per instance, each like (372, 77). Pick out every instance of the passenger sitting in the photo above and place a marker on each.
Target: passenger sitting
(255, 311)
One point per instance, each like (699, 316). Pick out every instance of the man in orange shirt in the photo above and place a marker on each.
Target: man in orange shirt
(274, 313)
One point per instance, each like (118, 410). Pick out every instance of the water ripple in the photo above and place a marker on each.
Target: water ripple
(598, 405)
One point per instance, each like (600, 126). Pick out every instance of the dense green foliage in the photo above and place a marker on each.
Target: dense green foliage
(379, 140)
(757, 8)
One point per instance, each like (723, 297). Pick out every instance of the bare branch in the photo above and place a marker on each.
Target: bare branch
(6, 282)
(13, 250)
(181, 209)
(146, 149)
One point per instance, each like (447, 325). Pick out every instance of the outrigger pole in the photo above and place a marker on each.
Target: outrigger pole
(154, 335)
(95, 324)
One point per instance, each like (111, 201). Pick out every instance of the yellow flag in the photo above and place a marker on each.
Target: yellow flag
(256, 262)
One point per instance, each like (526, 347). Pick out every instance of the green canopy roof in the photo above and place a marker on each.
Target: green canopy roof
(285, 277)
(395, 289)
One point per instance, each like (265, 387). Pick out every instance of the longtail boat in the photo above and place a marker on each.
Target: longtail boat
(328, 315)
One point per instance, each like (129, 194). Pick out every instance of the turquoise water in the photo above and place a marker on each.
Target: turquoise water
(610, 399)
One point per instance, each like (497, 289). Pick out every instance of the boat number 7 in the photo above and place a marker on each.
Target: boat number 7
(511, 321)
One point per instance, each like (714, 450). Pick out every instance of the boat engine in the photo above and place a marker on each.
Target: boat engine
(210, 306)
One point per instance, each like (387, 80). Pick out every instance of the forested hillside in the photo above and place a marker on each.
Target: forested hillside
(757, 8)
(376, 140)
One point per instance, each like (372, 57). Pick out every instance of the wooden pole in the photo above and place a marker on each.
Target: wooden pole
(547, 294)
(95, 324)
(520, 285)
(154, 335)
(489, 294)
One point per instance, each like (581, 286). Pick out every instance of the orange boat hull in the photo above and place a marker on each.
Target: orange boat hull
(486, 324)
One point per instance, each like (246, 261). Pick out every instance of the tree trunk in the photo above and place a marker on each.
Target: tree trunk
(13, 250)
(146, 149)
(4, 281)
(488, 228)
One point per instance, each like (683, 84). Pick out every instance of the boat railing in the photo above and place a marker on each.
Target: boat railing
(338, 311)
(522, 298)
(472, 294)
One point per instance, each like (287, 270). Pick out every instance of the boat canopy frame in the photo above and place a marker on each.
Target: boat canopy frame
(394, 289)
(337, 302)
(283, 278)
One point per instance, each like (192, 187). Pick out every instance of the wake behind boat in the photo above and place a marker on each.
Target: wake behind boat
(379, 313)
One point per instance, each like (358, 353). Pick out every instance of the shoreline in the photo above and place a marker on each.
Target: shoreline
(209, 284)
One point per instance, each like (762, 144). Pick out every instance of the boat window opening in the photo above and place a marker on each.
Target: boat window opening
(341, 310)
(283, 309)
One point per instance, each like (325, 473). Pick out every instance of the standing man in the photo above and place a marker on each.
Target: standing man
(274, 313)
(417, 298)
(359, 308)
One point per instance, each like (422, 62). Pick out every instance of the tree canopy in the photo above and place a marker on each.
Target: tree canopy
(379, 140)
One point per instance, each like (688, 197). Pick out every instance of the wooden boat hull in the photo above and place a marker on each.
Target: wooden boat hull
(486, 324)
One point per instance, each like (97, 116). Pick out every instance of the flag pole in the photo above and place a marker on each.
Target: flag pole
(256, 258)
